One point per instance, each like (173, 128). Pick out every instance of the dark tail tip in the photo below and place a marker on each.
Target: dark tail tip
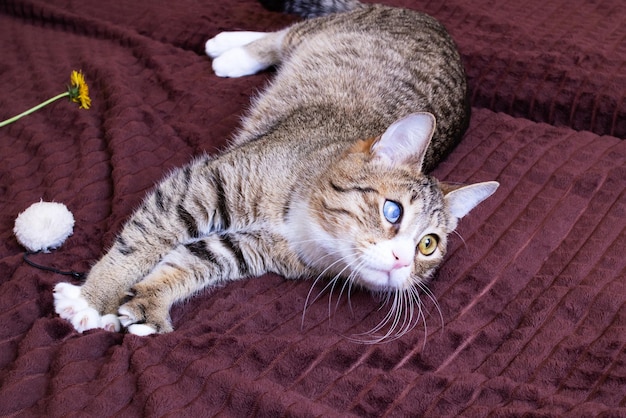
(311, 8)
(273, 5)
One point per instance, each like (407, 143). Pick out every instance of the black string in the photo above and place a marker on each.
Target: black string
(74, 274)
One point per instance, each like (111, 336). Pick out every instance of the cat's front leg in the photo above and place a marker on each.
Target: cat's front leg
(185, 271)
(184, 206)
(95, 303)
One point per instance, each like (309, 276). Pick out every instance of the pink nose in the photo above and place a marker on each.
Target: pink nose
(402, 259)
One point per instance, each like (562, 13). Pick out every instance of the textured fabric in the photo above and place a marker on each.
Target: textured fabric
(532, 293)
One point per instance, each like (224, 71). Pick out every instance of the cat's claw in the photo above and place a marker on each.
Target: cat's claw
(128, 320)
(126, 317)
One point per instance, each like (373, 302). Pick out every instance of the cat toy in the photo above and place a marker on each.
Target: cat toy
(42, 227)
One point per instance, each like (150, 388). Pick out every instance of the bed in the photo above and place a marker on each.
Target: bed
(530, 318)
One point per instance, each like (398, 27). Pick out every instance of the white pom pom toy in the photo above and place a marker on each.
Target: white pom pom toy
(44, 226)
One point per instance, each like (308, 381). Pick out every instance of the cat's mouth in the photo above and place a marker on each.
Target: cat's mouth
(386, 279)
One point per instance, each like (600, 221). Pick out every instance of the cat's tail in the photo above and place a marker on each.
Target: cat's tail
(311, 8)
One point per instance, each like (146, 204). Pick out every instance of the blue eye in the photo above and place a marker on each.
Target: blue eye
(392, 211)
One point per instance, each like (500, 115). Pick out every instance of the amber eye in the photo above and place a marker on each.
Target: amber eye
(428, 244)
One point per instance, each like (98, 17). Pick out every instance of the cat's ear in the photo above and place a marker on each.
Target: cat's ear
(462, 200)
(406, 140)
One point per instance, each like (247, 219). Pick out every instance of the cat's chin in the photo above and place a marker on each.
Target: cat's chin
(382, 280)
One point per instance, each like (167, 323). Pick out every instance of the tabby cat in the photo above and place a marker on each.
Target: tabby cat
(326, 177)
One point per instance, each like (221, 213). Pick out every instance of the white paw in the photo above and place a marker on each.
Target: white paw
(71, 306)
(228, 40)
(236, 63)
(141, 329)
(67, 300)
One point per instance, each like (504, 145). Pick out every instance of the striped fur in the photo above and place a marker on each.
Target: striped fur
(324, 179)
(312, 8)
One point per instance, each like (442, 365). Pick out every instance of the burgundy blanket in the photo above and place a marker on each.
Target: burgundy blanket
(532, 295)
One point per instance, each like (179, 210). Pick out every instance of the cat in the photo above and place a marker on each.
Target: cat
(327, 176)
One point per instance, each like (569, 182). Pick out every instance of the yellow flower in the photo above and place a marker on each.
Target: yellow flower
(77, 91)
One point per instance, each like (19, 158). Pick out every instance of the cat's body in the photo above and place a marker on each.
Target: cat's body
(323, 179)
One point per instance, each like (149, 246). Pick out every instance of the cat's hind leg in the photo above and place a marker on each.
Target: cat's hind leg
(226, 41)
(237, 54)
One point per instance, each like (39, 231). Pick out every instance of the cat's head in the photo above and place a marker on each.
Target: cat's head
(377, 220)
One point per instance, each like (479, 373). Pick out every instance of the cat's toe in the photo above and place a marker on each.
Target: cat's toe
(68, 308)
(110, 323)
(67, 300)
(66, 291)
(236, 63)
(85, 319)
(213, 48)
(226, 41)
(71, 306)
(141, 329)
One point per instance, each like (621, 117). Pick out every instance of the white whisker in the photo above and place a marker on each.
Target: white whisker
(331, 283)
(406, 309)
(424, 288)
(348, 282)
(459, 235)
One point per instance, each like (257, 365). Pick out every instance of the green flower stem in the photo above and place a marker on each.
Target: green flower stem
(31, 110)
